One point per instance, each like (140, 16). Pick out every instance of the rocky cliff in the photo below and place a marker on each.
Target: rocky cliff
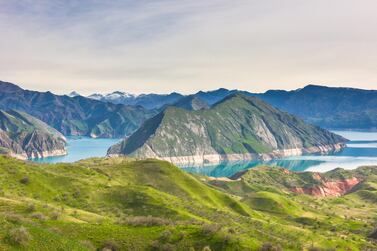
(236, 128)
(24, 136)
(334, 183)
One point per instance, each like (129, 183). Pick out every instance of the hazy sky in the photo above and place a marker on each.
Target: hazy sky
(178, 45)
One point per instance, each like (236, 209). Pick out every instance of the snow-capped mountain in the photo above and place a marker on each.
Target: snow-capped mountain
(149, 101)
(73, 94)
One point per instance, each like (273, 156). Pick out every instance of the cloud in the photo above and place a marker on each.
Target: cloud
(165, 45)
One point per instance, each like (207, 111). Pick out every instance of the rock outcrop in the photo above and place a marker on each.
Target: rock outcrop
(329, 188)
(237, 128)
(23, 136)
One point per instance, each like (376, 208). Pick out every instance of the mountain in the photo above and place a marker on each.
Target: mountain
(328, 107)
(127, 204)
(73, 94)
(148, 101)
(338, 108)
(212, 97)
(24, 136)
(237, 128)
(74, 115)
(192, 103)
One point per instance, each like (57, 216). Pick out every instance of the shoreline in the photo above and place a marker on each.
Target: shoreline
(213, 159)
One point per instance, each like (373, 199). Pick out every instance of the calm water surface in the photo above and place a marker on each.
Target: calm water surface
(82, 148)
(361, 150)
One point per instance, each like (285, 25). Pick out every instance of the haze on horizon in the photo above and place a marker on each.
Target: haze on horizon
(185, 46)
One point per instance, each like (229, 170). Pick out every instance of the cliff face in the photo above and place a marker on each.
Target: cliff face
(334, 183)
(24, 136)
(237, 128)
(329, 188)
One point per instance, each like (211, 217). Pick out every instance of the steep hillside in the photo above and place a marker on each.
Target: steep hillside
(24, 136)
(74, 115)
(123, 204)
(237, 128)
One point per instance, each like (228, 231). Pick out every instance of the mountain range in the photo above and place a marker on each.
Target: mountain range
(24, 136)
(329, 107)
(238, 127)
(75, 115)
(148, 101)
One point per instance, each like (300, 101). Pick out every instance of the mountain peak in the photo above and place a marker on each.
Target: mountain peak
(192, 102)
(9, 87)
(73, 94)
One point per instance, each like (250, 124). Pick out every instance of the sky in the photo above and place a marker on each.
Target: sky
(163, 46)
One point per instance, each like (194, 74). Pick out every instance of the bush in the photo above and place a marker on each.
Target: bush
(14, 218)
(110, 246)
(55, 215)
(269, 247)
(19, 236)
(38, 216)
(25, 180)
(211, 228)
(165, 236)
(145, 221)
(30, 208)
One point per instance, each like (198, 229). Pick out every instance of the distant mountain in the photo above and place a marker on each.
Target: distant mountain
(148, 101)
(75, 115)
(24, 136)
(338, 108)
(73, 94)
(212, 97)
(329, 107)
(192, 103)
(237, 128)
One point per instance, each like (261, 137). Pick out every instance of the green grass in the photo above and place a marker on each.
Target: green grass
(153, 205)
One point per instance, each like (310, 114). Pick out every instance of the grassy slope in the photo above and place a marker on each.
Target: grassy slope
(351, 217)
(84, 205)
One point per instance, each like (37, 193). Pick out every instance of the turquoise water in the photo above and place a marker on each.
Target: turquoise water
(360, 151)
(81, 148)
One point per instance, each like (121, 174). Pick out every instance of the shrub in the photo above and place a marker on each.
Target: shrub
(269, 247)
(76, 194)
(14, 218)
(19, 236)
(38, 216)
(211, 228)
(30, 208)
(145, 221)
(314, 249)
(25, 180)
(55, 215)
(165, 236)
(110, 246)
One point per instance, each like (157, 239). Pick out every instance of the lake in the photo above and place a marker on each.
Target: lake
(81, 148)
(361, 150)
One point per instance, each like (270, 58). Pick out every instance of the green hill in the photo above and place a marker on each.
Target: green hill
(238, 127)
(24, 136)
(126, 204)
